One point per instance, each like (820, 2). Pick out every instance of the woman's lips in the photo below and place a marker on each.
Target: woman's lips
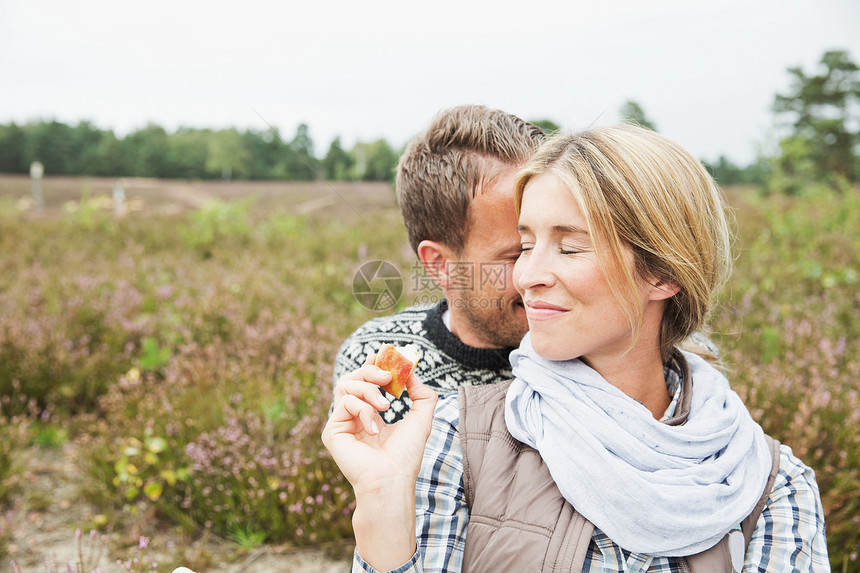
(540, 310)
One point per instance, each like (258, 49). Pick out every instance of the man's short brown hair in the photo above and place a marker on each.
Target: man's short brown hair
(443, 168)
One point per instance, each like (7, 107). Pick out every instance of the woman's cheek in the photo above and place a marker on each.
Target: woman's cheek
(515, 275)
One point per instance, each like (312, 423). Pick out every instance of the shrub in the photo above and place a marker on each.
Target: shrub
(192, 355)
(245, 461)
(14, 432)
(168, 340)
(789, 328)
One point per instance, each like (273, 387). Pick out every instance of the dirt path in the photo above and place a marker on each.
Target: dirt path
(50, 509)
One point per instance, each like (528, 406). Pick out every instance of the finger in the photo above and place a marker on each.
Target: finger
(423, 399)
(349, 418)
(366, 391)
(418, 390)
(355, 408)
(367, 373)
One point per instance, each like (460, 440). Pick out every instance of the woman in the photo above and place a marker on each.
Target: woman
(609, 438)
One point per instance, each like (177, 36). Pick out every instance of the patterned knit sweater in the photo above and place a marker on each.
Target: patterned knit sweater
(445, 364)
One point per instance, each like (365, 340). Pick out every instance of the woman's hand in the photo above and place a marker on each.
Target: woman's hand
(380, 461)
(366, 449)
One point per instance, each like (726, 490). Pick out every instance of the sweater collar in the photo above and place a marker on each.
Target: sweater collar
(469, 356)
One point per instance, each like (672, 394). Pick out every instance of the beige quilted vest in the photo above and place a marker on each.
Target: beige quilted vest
(518, 519)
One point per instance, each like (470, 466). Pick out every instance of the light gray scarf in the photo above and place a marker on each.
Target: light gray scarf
(652, 488)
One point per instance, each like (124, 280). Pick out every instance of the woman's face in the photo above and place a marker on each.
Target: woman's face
(571, 310)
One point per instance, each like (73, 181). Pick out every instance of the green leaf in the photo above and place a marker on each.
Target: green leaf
(169, 476)
(156, 445)
(153, 356)
(153, 490)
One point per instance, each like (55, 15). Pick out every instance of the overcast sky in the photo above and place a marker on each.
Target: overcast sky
(705, 71)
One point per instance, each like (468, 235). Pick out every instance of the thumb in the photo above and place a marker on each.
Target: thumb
(423, 400)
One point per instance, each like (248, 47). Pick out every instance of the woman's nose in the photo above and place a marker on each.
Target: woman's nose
(533, 270)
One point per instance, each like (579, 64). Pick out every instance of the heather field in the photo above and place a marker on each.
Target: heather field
(175, 360)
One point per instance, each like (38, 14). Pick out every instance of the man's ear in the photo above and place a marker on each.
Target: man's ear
(435, 256)
(662, 290)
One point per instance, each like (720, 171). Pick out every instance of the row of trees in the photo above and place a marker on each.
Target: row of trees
(818, 127)
(84, 149)
(818, 122)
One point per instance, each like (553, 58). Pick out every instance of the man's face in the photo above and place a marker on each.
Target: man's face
(486, 310)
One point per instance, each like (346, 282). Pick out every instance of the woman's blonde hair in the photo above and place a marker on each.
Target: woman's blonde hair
(640, 190)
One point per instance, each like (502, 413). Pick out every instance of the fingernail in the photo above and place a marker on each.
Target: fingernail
(373, 427)
(381, 401)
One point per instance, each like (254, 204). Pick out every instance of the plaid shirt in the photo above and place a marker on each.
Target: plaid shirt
(789, 535)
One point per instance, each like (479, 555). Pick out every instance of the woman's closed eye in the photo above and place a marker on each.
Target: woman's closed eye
(562, 249)
(572, 248)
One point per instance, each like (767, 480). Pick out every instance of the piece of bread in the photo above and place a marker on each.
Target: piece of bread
(400, 362)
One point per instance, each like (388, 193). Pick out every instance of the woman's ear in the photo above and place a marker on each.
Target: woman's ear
(662, 290)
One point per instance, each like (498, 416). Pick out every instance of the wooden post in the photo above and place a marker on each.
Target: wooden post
(118, 199)
(36, 172)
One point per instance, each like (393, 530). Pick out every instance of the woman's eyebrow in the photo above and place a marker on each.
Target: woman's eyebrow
(569, 229)
(564, 229)
(560, 229)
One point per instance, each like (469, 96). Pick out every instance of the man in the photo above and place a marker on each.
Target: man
(455, 186)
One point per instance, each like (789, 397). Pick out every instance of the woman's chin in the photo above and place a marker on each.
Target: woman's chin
(550, 349)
